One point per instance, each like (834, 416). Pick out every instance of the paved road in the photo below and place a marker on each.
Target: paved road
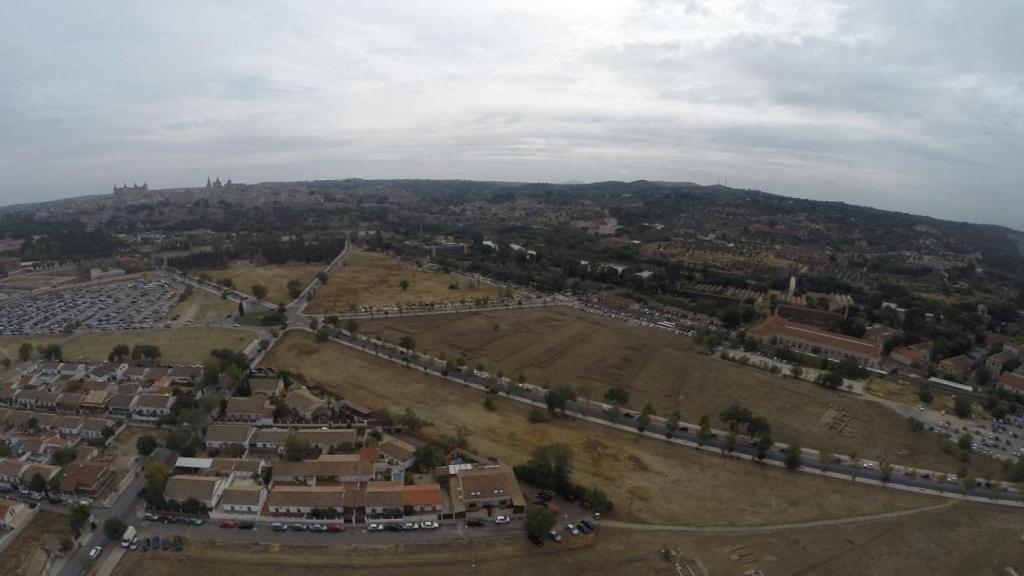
(687, 433)
(121, 508)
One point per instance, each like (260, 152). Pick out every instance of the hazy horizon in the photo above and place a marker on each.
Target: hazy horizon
(912, 107)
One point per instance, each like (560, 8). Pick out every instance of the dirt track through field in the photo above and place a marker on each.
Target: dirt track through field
(774, 527)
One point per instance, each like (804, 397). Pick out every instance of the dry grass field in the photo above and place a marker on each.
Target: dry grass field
(275, 278)
(645, 477)
(374, 279)
(181, 345)
(562, 345)
(202, 306)
(962, 539)
(24, 556)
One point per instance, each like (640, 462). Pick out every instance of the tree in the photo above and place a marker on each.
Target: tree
(539, 521)
(210, 403)
(78, 517)
(407, 342)
(6, 362)
(322, 277)
(119, 353)
(730, 442)
(885, 472)
(52, 352)
(323, 334)
(259, 291)
(962, 407)
(557, 398)
(404, 284)
(671, 424)
(796, 371)
(830, 379)
(352, 326)
(644, 419)
(586, 388)
(734, 416)
(965, 441)
(156, 481)
(489, 404)
(37, 483)
(145, 445)
(427, 457)
(764, 444)
(824, 459)
(550, 467)
(297, 449)
(793, 457)
(704, 432)
(924, 393)
(314, 323)
(114, 528)
(24, 352)
(294, 288)
(617, 396)
(411, 421)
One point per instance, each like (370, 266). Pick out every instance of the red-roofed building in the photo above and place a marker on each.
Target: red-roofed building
(777, 331)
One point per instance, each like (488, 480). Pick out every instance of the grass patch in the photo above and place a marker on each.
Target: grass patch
(375, 279)
(275, 278)
(636, 472)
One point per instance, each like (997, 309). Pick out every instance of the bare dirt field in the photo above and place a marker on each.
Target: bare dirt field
(202, 306)
(374, 279)
(958, 540)
(275, 278)
(643, 476)
(24, 555)
(178, 346)
(562, 345)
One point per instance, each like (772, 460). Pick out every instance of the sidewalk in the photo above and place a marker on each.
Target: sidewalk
(107, 565)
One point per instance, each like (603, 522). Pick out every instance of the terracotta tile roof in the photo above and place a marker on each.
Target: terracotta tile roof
(303, 400)
(185, 486)
(231, 433)
(307, 496)
(241, 495)
(776, 326)
(421, 495)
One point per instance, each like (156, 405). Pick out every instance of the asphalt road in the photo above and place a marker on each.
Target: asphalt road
(121, 508)
(687, 432)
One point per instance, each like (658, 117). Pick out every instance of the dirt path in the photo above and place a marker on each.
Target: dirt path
(772, 527)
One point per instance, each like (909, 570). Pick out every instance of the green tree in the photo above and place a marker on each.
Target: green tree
(671, 424)
(764, 444)
(793, 457)
(119, 353)
(643, 421)
(796, 371)
(145, 445)
(924, 393)
(730, 442)
(37, 483)
(24, 352)
(294, 288)
(259, 291)
(52, 352)
(404, 284)
(114, 528)
(617, 396)
(78, 517)
(539, 521)
(830, 379)
(704, 432)
(885, 472)
(824, 459)
(489, 404)
(962, 407)
(297, 449)
(558, 397)
(407, 342)
(323, 334)
(411, 421)
(965, 441)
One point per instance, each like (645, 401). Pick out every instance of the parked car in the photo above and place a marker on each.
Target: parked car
(151, 517)
(228, 524)
(537, 540)
(571, 529)
(555, 536)
(502, 519)
(475, 523)
(582, 528)
(297, 527)
(375, 528)
(194, 521)
(95, 552)
(393, 527)
(588, 524)
(134, 544)
(279, 527)
(246, 526)
(179, 544)
(430, 525)
(318, 528)
(335, 528)
(410, 526)
(156, 543)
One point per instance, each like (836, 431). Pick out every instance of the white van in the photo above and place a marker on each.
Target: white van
(126, 538)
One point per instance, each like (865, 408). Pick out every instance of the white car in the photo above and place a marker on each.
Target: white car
(502, 519)
(375, 528)
(95, 552)
(430, 525)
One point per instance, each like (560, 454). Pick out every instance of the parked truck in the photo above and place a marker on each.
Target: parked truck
(126, 538)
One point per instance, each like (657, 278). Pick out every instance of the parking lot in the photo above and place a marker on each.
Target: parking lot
(131, 304)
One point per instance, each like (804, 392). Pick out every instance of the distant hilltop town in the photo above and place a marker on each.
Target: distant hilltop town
(126, 189)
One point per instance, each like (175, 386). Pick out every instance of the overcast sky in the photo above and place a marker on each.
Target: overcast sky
(912, 106)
